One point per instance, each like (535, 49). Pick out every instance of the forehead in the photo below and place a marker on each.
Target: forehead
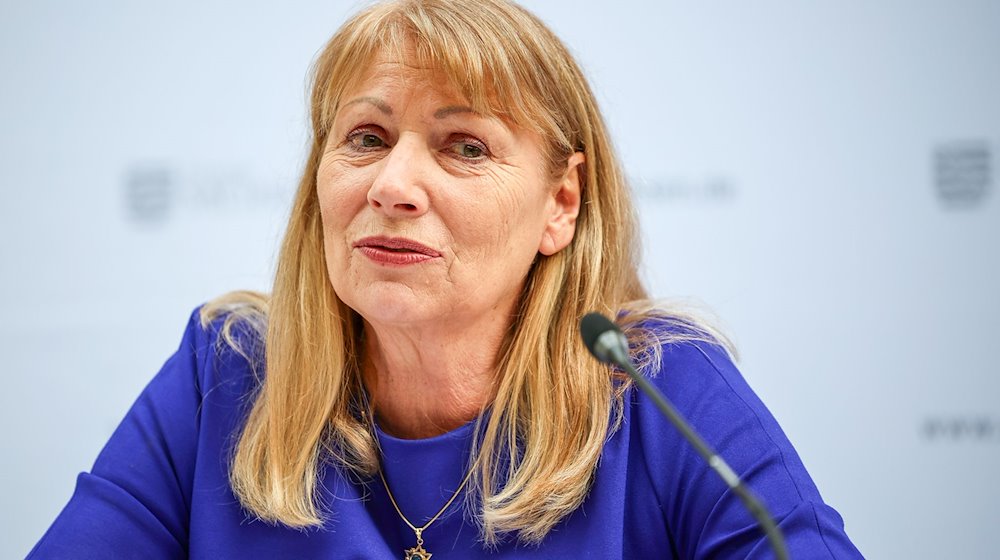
(390, 72)
(394, 72)
(394, 89)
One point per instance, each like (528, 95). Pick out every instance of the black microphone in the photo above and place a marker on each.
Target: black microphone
(607, 343)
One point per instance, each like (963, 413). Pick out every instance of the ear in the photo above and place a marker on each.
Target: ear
(564, 208)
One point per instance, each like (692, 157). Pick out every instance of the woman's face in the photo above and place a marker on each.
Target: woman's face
(432, 212)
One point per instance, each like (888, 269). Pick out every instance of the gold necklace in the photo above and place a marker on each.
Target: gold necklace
(418, 552)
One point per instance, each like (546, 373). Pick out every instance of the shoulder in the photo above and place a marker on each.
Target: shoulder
(237, 321)
(228, 333)
(685, 356)
(217, 349)
(217, 363)
(698, 375)
(140, 491)
(199, 395)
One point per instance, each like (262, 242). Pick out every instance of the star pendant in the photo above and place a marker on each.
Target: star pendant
(417, 553)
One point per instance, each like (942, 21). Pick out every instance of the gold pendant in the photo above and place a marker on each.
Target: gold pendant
(417, 553)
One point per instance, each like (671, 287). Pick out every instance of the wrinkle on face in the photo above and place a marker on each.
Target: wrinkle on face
(486, 218)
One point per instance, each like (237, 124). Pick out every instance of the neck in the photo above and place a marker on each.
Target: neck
(431, 380)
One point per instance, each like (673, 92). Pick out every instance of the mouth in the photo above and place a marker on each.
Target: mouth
(394, 250)
(396, 245)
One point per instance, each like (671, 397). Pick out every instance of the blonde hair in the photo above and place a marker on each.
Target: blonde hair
(555, 406)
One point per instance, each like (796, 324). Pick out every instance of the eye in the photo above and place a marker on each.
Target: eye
(364, 139)
(370, 141)
(471, 151)
(468, 148)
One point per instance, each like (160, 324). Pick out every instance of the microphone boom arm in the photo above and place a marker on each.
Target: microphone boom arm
(752, 503)
(610, 346)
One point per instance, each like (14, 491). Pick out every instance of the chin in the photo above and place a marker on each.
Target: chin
(390, 303)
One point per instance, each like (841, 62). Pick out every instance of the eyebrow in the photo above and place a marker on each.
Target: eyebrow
(385, 108)
(453, 109)
(378, 103)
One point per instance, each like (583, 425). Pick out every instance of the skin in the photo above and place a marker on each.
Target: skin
(407, 158)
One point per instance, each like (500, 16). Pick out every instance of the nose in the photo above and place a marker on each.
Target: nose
(398, 190)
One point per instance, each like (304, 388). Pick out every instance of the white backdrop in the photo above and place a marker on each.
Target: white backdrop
(819, 174)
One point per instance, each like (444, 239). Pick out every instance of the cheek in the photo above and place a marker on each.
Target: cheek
(500, 230)
(341, 195)
(341, 199)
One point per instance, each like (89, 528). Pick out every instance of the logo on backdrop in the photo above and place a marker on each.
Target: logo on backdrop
(709, 190)
(961, 428)
(155, 193)
(962, 173)
(149, 193)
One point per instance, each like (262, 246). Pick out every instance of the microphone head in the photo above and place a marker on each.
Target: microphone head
(592, 326)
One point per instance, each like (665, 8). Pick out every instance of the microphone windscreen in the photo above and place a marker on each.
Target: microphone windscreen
(593, 325)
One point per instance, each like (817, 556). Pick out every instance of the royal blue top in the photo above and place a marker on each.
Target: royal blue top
(159, 488)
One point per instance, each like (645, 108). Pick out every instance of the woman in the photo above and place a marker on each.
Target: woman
(414, 384)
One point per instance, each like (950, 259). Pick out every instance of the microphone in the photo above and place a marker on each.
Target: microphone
(607, 343)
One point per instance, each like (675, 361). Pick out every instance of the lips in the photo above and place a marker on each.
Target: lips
(394, 250)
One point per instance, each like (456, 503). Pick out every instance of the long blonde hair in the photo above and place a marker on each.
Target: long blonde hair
(555, 406)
